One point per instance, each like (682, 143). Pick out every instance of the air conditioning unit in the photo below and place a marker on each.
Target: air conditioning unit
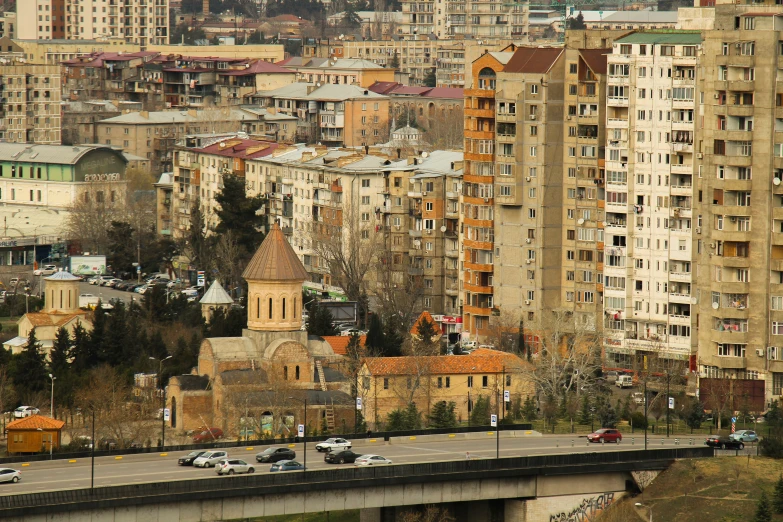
(760, 352)
(527, 302)
(699, 155)
(429, 231)
(527, 178)
(528, 240)
(527, 261)
(423, 193)
(486, 200)
(716, 96)
(533, 117)
(698, 231)
(733, 219)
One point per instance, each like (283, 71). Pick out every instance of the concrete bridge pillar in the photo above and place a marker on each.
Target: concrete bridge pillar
(515, 511)
(370, 515)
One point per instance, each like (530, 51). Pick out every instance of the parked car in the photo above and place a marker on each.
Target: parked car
(723, 442)
(208, 435)
(209, 459)
(10, 475)
(624, 381)
(333, 444)
(25, 411)
(611, 376)
(92, 280)
(188, 459)
(275, 454)
(287, 465)
(745, 436)
(341, 457)
(372, 460)
(109, 283)
(231, 466)
(605, 435)
(45, 271)
(638, 397)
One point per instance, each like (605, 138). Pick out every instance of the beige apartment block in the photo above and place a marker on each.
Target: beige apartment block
(136, 21)
(54, 51)
(465, 19)
(30, 103)
(738, 246)
(272, 53)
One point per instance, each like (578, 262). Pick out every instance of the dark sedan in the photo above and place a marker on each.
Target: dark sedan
(341, 457)
(275, 454)
(188, 459)
(723, 442)
(287, 465)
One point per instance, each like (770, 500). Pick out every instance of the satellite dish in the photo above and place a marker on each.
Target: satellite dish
(776, 181)
(715, 306)
(425, 154)
(580, 221)
(443, 228)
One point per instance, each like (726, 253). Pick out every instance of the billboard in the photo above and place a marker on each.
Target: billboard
(88, 265)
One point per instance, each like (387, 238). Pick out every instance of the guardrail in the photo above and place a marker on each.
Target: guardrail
(275, 483)
(385, 435)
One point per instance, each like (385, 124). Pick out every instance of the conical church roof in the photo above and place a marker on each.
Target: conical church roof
(216, 295)
(275, 260)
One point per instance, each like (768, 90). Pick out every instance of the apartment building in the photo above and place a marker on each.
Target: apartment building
(30, 103)
(55, 51)
(154, 135)
(334, 115)
(342, 71)
(164, 198)
(136, 21)
(649, 222)
(464, 19)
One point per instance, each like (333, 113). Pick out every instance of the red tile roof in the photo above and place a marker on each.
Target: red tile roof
(533, 59)
(339, 343)
(395, 88)
(241, 148)
(275, 260)
(52, 319)
(287, 18)
(383, 87)
(595, 59)
(481, 361)
(33, 422)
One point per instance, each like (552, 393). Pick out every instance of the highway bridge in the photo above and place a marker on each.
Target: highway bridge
(151, 487)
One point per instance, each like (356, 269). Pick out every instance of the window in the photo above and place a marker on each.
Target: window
(365, 183)
(777, 328)
(470, 381)
(533, 88)
(448, 382)
(385, 383)
(484, 381)
(777, 302)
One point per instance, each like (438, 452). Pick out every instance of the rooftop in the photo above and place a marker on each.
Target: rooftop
(240, 148)
(537, 60)
(662, 37)
(56, 154)
(163, 117)
(34, 422)
(216, 295)
(275, 260)
(339, 343)
(480, 361)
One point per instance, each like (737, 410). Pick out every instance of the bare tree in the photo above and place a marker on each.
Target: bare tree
(349, 250)
(227, 260)
(117, 415)
(717, 396)
(445, 129)
(503, 331)
(90, 215)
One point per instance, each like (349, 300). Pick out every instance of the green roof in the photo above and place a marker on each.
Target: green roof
(662, 37)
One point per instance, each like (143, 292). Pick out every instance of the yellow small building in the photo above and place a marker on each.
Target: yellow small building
(34, 434)
(389, 383)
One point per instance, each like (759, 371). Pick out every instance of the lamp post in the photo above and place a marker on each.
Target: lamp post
(52, 377)
(304, 438)
(649, 509)
(163, 399)
(92, 453)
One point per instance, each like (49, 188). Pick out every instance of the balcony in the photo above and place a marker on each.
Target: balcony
(680, 298)
(682, 168)
(617, 123)
(731, 363)
(617, 101)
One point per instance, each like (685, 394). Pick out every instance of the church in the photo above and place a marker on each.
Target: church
(261, 383)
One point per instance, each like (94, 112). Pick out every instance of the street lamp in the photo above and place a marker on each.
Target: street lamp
(52, 377)
(304, 438)
(163, 398)
(649, 509)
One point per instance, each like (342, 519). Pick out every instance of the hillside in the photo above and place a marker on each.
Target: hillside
(721, 489)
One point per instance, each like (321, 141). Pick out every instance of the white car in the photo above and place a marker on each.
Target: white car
(372, 460)
(10, 475)
(25, 411)
(333, 444)
(210, 459)
(231, 466)
(46, 270)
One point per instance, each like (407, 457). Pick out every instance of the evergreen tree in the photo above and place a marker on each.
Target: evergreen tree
(376, 340)
(157, 346)
(226, 323)
(427, 337)
(115, 349)
(430, 80)
(529, 411)
(61, 353)
(392, 341)
(29, 368)
(443, 415)
(584, 411)
(763, 510)
(777, 499)
(395, 62)
(96, 338)
(361, 424)
(237, 213)
(693, 414)
(80, 350)
(577, 23)
(320, 322)
(404, 419)
(479, 416)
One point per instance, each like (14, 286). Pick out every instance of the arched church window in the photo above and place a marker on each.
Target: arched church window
(294, 307)
(297, 373)
(258, 308)
(270, 307)
(285, 373)
(284, 313)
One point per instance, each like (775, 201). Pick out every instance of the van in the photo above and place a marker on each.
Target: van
(624, 381)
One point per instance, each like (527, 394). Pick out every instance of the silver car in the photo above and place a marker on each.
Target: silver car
(210, 459)
(372, 460)
(231, 466)
(10, 475)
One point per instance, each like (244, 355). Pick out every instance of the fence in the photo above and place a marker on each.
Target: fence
(385, 435)
(343, 478)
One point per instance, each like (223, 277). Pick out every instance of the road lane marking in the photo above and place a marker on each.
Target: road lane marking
(119, 457)
(164, 454)
(25, 464)
(72, 461)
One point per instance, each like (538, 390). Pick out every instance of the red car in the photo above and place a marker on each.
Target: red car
(208, 435)
(605, 435)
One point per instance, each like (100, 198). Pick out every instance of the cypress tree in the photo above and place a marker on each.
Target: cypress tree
(777, 499)
(30, 375)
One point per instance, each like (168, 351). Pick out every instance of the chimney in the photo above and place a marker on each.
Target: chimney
(399, 153)
(366, 150)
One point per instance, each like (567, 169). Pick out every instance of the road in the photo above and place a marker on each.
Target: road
(162, 467)
(107, 294)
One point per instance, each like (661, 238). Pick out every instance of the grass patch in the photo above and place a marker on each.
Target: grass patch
(719, 489)
(334, 516)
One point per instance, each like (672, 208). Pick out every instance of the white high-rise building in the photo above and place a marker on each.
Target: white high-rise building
(649, 299)
(144, 22)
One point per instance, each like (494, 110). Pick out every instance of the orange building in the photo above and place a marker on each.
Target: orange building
(478, 190)
(34, 434)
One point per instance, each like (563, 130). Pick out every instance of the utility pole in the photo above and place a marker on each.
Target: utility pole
(163, 399)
